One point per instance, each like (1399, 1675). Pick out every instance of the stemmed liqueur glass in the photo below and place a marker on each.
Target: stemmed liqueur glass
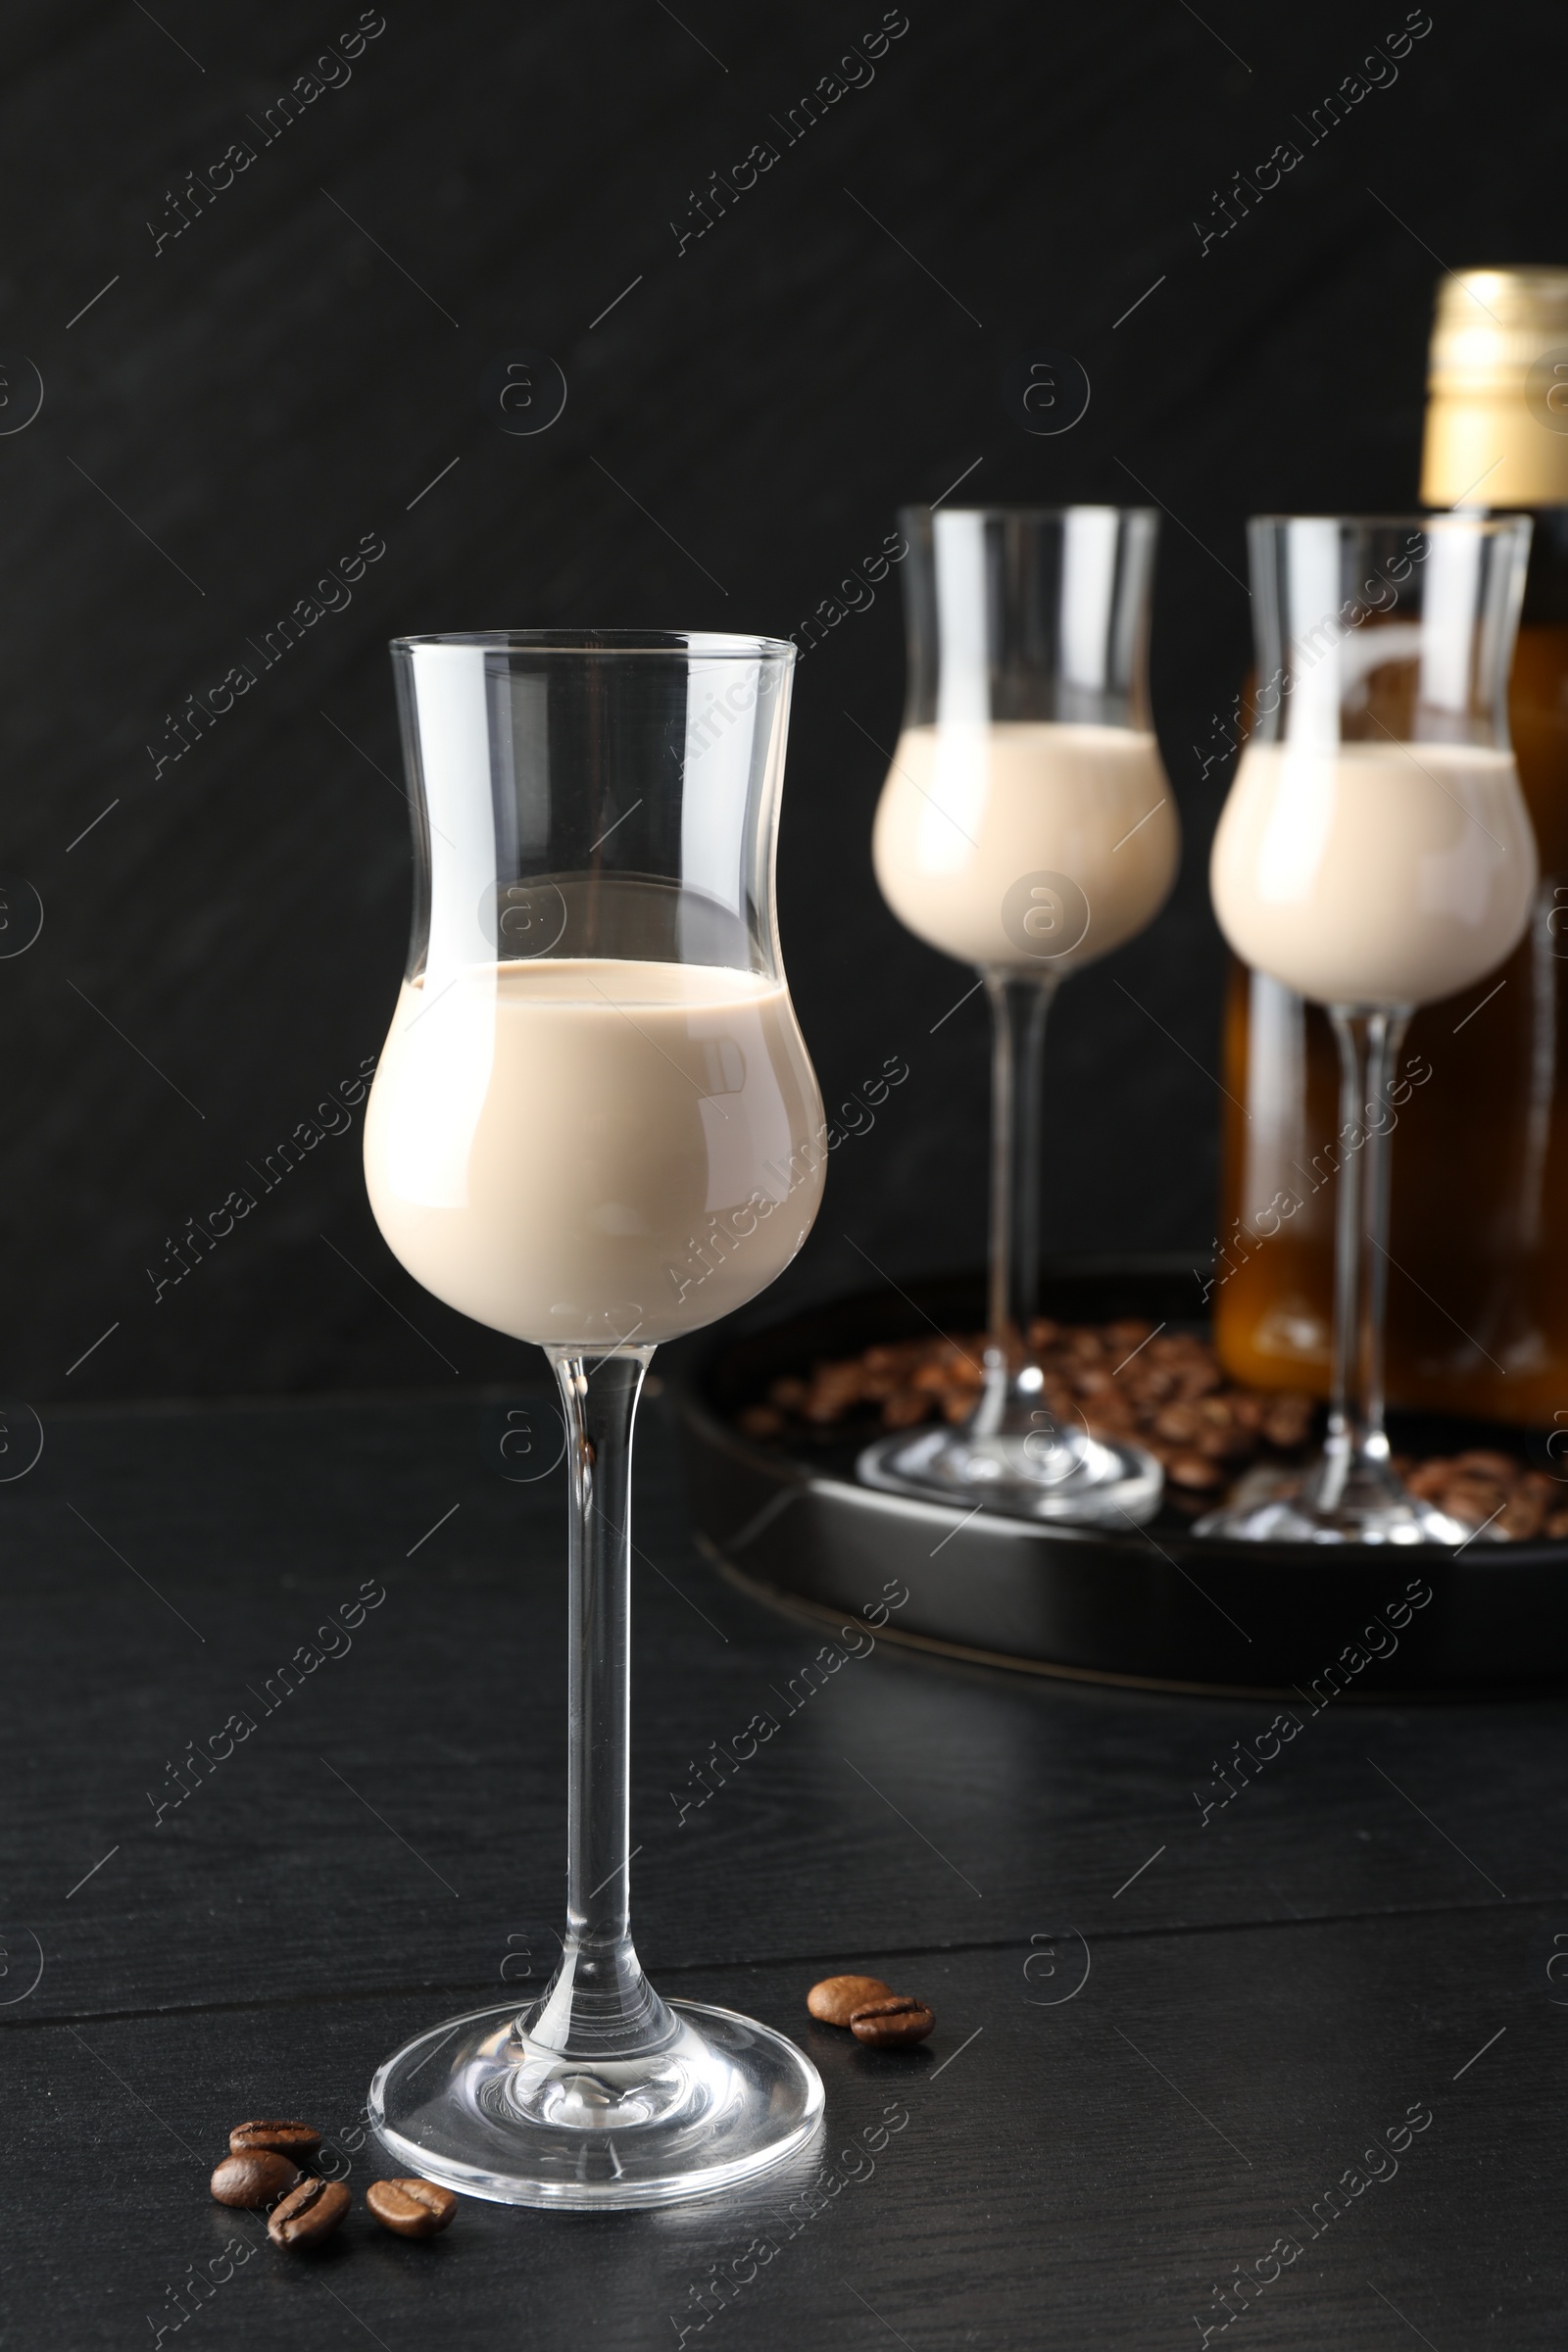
(595, 1126)
(1026, 827)
(1375, 852)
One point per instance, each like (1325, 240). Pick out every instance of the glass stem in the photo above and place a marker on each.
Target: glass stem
(599, 2003)
(1356, 1445)
(1019, 1005)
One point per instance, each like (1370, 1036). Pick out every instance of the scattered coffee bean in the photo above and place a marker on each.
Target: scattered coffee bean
(836, 1999)
(312, 2211)
(298, 2140)
(888, 2025)
(412, 2208)
(253, 2177)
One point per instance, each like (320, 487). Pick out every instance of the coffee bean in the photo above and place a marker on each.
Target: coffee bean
(1177, 1424)
(1472, 1500)
(284, 2140)
(1521, 1516)
(253, 2177)
(313, 2211)
(836, 1999)
(1288, 1421)
(1488, 1465)
(412, 2208)
(889, 2025)
(1193, 1471)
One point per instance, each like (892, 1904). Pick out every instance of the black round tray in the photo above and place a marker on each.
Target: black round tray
(1159, 1606)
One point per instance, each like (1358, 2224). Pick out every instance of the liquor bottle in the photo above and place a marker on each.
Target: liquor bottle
(1478, 1278)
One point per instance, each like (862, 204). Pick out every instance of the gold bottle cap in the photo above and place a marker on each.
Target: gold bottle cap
(1498, 390)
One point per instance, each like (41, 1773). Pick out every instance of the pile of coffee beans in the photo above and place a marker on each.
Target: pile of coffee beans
(1492, 1491)
(884, 2020)
(1163, 1390)
(269, 2167)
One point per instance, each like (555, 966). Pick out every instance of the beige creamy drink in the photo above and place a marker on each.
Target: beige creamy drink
(1374, 873)
(970, 809)
(577, 1152)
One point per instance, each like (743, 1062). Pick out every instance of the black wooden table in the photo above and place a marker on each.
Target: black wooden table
(1290, 2074)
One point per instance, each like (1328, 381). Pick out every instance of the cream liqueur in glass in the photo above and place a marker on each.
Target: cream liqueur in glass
(573, 1147)
(966, 809)
(1374, 873)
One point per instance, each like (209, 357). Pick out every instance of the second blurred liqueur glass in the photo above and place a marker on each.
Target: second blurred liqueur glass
(595, 1126)
(1375, 854)
(1026, 827)
(1480, 1204)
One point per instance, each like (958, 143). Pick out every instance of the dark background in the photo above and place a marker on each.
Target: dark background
(221, 947)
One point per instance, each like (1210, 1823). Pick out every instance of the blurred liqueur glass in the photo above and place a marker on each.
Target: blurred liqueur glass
(594, 1126)
(1375, 854)
(1026, 827)
(1478, 1309)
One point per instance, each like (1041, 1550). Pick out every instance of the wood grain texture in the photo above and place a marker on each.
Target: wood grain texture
(1149, 2081)
(228, 413)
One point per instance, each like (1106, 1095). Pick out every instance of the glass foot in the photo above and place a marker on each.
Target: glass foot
(478, 2106)
(1065, 1475)
(1326, 1505)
